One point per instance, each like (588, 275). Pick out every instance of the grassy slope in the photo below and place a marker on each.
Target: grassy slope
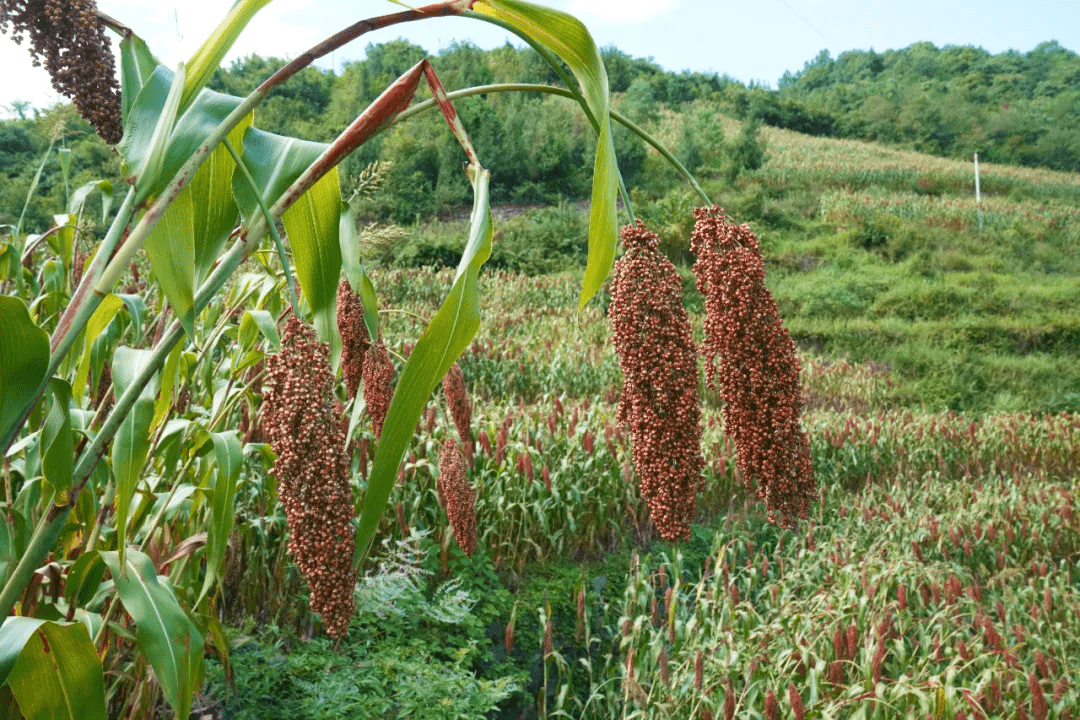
(877, 254)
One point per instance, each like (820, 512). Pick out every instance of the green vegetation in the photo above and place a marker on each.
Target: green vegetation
(1011, 108)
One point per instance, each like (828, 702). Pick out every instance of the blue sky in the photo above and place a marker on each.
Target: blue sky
(756, 40)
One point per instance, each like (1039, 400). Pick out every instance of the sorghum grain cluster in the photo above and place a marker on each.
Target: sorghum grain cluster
(460, 497)
(312, 471)
(355, 340)
(660, 397)
(751, 357)
(67, 38)
(457, 400)
(378, 374)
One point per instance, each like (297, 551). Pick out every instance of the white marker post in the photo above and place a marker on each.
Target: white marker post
(978, 195)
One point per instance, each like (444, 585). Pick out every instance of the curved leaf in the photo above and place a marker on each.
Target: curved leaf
(57, 447)
(165, 634)
(137, 64)
(186, 242)
(261, 321)
(312, 224)
(83, 578)
(132, 442)
(211, 189)
(147, 131)
(209, 55)
(62, 241)
(58, 675)
(78, 198)
(14, 632)
(229, 454)
(24, 360)
(568, 38)
(169, 376)
(603, 218)
(446, 337)
(106, 311)
(191, 129)
(170, 247)
(354, 270)
(275, 162)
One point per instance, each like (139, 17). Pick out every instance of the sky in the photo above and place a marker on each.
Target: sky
(750, 41)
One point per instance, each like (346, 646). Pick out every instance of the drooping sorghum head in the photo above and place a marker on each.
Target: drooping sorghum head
(312, 471)
(457, 400)
(751, 356)
(660, 400)
(459, 495)
(378, 374)
(355, 340)
(66, 37)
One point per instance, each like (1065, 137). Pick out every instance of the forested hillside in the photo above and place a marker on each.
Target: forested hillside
(1021, 108)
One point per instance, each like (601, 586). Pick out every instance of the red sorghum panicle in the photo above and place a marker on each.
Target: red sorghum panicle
(660, 400)
(729, 700)
(1039, 708)
(796, 701)
(879, 659)
(852, 641)
(67, 38)
(699, 669)
(457, 400)
(751, 356)
(580, 614)
(378, 374)
(772, 707)
(312, 471)
(1040, 664)
(460, 497)
(549, 643)
(1060, 688)
(355, 340)
(500, 445)
(836, 672)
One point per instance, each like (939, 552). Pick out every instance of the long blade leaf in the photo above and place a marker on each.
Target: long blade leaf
(164, 632)
(59, 675)
(568, 38)
(132, 442)
(229, 456)
(446, 337)
(24, 360)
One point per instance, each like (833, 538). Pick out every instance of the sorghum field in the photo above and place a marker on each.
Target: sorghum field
(937, 577)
